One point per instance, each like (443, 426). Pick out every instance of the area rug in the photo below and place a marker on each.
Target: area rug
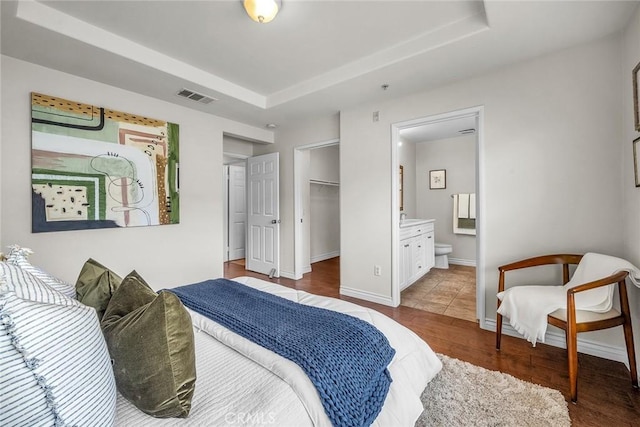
(463, 394)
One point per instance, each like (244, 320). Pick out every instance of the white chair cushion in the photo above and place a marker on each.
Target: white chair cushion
(583, 316)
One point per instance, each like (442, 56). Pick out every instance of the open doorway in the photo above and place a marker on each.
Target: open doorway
(235, 211)
(317, 205)
(446, 146)
(251, 207)
(234, 201)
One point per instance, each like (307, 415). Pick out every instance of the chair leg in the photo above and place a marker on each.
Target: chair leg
(628, 332)
(498, 330)
(572, 356)
(628, 338)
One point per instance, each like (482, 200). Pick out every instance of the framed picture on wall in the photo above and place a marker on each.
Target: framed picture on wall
(636, 97)
(437, 179)
(636, 166)
(93, 167)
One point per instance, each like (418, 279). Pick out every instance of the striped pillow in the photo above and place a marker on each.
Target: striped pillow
(27, 286)
(19, 256)
(55, 365)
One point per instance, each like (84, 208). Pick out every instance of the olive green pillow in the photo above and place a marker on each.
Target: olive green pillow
(95, 285)
(150, 339)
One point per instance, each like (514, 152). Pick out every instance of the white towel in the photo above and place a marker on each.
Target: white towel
(463, 205)
(472, 205)
(527, 307)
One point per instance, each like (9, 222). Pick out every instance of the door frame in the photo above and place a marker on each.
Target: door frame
(478, 112)
(298, 242)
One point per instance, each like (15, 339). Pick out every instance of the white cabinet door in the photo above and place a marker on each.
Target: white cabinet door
(405, 261)
(417, 254)
(419, 257)
(430, 250)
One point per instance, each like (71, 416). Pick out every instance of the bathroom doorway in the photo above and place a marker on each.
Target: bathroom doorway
(451, 144)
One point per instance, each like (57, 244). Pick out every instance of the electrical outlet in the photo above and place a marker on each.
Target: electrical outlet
(376, 116)
(377, 270)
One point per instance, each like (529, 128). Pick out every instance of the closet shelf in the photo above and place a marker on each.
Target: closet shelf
(321, 182)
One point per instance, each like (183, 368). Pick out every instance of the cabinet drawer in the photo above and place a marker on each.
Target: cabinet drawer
(415, 230)
(425, 227)
(406, 233)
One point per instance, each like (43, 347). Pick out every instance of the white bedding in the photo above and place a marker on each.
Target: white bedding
(240, 383)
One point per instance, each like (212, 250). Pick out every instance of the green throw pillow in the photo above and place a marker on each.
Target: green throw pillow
(95, 285)
(150, 339)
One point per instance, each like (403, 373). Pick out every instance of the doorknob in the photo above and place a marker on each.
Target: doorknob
(275, 221)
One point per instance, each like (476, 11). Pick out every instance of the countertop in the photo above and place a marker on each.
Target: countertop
(411, 222)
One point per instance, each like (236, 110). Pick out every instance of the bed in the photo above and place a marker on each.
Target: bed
(61, 372)
(239, 382)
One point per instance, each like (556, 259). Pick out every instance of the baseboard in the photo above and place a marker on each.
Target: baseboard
(557, 339)
(460, 261)
(367, 296)
(322, 257)
(291, 275)
(288, 275)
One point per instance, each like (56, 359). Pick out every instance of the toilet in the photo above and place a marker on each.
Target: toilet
(442, 251)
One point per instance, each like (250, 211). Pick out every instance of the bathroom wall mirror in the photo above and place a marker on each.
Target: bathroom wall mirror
(400, 186)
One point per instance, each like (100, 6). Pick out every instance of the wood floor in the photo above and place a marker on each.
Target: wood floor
(605, 395)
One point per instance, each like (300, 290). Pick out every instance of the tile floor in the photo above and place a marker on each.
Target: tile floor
(451, 292)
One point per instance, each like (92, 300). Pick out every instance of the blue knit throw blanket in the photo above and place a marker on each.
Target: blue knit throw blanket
(344, 357)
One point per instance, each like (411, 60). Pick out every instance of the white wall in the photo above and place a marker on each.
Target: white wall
(550, 164)
(324, 203)
(325, 163)
(315, 130)
(458, 157)
(325, 222)
(365, 201)
(165, 255)
(631, 206)
(233, 146)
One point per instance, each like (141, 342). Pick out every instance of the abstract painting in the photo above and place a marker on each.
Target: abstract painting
(92, 167)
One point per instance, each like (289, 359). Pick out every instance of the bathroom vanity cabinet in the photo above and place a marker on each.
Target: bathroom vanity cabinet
(417, 251)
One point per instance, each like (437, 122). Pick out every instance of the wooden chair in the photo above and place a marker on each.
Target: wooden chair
(573, 321)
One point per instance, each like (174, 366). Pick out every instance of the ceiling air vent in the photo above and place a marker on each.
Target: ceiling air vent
(195, 96)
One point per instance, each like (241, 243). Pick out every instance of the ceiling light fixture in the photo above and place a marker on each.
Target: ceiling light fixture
(262, 11)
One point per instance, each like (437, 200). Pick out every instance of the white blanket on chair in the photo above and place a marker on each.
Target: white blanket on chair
(527, 307)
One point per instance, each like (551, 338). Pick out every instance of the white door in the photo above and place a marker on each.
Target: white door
(263, 215)
(237, 211)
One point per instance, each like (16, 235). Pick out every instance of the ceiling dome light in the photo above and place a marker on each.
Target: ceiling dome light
(262, 11)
